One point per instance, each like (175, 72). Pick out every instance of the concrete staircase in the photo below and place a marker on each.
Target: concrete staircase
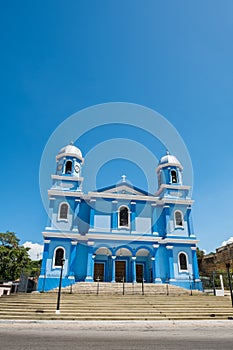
(42, 306)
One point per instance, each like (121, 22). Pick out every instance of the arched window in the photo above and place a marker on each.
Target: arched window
(68, 168)
(124, 216)
(59, 255)
(183, 261)
(63, 211)
(173, 176)
(178, 218)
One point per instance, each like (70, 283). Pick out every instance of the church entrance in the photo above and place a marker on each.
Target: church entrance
(120, 270)
(139, 272)
(99, 271)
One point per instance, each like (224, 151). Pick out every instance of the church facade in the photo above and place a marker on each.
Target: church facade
(119, 232)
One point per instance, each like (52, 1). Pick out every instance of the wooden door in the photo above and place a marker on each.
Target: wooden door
(120, 270)
(139, 272)
(99, 271)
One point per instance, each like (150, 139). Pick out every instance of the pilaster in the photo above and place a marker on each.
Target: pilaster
(170, 262)
(113, 268)
(90, 262)
(134, 277)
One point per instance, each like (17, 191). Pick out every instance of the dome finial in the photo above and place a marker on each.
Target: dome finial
(167, 152)
(71, 143)
(123, 178)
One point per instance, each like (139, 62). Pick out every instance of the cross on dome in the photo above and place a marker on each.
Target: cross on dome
(123, 178)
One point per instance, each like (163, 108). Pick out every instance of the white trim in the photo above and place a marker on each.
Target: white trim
(115, 190)
(165, 165)
(177, 177)
(129, 217)
(159, 201)
(74, 155)
(123, 237)
(68, 178)
(59, 212)
(54, 255)
(182, 219)
(187, 262)
(72, 166)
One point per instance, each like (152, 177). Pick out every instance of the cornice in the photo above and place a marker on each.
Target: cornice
(64, 155)
(130, 238)
(91, 196)
(67, 178)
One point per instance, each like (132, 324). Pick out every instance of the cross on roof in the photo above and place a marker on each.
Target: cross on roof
(123, 178)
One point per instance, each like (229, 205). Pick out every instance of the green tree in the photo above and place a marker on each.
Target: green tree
(13, 257)
(200, 255)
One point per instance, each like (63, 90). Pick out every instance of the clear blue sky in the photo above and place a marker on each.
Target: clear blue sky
(175, 57)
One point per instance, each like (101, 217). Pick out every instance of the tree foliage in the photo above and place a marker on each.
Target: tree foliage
(200, 255)
(13, 257)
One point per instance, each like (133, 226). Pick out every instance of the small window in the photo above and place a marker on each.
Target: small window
(59, 255)
(63, 211)
(183, 261)
(174, 176)
(124, 216)
(178, 218)
(68, 168)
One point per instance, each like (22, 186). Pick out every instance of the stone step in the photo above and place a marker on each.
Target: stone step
(42, 306)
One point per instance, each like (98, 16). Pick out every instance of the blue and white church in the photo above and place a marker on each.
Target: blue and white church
(118, 232)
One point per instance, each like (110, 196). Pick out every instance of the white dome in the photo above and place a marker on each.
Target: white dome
(169, 159)
(70, 150)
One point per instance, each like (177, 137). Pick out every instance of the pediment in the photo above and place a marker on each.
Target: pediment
(123, 189)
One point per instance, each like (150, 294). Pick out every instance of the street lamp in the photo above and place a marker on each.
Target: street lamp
(229, 279)
(59, 289)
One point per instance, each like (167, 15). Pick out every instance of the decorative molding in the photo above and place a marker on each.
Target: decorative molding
(67, 178)
(156, 246)
(47, 241)
(169, 247)
(123, 237)
(65, 155)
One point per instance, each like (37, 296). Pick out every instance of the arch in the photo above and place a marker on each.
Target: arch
(183, 261)
(103, 251)
(68, 167)
(63, 211)
(123, 251)
(143, 251)
(174, 176)
(123, 216)
(58, 255)
(179, 218)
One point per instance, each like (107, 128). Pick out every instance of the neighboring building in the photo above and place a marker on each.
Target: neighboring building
(217, 261)
(119, 231)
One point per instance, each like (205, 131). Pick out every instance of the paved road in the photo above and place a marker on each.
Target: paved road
(117, 335)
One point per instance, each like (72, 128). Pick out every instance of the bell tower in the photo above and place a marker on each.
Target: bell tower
(69, 168)
(169, 171)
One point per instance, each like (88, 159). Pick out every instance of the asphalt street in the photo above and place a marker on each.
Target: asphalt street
(117, 335)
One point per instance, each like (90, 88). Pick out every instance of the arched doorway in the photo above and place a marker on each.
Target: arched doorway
(123, 256)
(143, 265)
(101, 264)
